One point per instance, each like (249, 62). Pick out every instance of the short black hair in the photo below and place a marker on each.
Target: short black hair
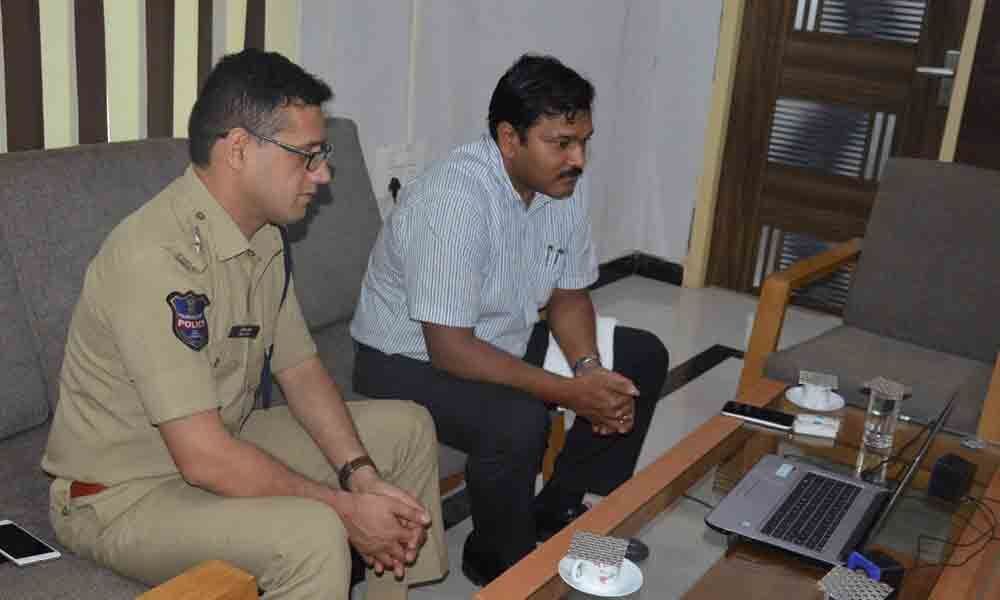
(534, 86)
(247, 89)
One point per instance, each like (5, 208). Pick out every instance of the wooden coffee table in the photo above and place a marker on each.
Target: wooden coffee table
(725, 441)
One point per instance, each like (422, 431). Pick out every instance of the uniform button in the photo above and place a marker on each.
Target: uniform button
(251, 253)
(200, 215)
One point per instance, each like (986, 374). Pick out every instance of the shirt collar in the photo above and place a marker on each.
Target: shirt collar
(217, 228)
(496, 162)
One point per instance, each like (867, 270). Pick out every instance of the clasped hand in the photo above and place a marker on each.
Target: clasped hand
(605, 398)
(385, 525)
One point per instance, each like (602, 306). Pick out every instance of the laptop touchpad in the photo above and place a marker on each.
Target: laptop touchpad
(764, 492)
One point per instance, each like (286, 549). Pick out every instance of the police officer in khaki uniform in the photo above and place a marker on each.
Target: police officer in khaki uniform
(161, 461)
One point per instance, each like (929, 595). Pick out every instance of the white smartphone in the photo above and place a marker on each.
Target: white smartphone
(22, 548)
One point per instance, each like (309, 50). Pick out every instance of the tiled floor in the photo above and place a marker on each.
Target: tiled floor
(688, 321)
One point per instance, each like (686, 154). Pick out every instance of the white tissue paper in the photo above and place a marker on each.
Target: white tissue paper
(555, 360)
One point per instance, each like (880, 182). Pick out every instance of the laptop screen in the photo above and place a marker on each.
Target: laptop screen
(911, 470)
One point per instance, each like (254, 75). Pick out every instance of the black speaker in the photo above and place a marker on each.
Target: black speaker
(951, 478)
(890, 571)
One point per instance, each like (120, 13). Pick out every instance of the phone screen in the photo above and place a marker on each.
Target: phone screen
(18, 543)
(761, 415)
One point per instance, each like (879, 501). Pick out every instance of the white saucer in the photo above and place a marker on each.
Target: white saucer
(628, 581)
(796, 395)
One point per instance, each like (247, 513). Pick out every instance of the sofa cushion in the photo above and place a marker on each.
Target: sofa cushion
(331, 245)
(23, 405)
(24, 498)
(927, 274)
(58, 206)
(857, 356)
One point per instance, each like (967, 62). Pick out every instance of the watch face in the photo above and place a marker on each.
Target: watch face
(590, 359)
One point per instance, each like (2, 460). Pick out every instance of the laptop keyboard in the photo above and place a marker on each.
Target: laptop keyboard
(811, 513)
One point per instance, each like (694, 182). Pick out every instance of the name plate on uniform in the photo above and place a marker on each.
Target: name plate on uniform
(244, 331)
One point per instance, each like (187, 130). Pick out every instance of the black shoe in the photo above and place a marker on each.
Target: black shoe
(479, 567)
(548, 524)
(637, 551)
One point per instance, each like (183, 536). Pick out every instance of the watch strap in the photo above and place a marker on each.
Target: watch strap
(345, 472)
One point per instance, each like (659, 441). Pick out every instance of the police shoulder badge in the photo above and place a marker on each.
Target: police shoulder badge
(189, 322)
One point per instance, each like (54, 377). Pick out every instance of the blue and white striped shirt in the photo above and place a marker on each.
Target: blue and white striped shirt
(461, 249)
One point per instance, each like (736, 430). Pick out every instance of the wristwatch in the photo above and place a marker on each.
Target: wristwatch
(345, 472)
(583, 361)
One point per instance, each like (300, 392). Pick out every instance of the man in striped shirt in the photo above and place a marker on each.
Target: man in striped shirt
(449, 317)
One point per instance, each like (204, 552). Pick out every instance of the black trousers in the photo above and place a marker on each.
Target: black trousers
(505, 430)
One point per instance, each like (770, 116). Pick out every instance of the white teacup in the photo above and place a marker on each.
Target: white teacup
(815, 396)
(593, 574)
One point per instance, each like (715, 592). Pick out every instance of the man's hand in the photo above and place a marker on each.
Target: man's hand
(384, 523)
(603, 397)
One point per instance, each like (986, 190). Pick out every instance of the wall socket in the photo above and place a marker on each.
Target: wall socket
(402, 161)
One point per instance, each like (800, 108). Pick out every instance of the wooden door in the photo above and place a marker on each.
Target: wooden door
(824, 92)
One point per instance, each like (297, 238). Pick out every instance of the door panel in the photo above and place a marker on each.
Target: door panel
(825, 91)
(867, 73)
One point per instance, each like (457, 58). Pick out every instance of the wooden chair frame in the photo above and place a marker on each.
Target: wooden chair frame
(774, 298)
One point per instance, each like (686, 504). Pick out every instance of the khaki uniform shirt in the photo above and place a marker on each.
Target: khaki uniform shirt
(164, 329)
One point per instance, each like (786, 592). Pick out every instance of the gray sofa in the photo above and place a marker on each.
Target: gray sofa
(57, 206)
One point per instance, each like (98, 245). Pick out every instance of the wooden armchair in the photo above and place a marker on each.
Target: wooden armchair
(923, 304)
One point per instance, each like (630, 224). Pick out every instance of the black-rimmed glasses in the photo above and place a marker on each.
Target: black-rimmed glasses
(313, 159)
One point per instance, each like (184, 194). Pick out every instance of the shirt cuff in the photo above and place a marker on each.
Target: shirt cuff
(452, 316)
(175, 394)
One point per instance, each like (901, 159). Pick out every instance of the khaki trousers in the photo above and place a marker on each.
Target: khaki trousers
(295, 547)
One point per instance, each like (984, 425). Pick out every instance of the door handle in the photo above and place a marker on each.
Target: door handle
(936, 71)
(946, 73)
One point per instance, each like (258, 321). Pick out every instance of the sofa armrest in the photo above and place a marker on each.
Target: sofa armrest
(211, 580)
(989, 420)
(774, 297)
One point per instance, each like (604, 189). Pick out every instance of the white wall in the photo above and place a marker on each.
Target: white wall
(651, 62)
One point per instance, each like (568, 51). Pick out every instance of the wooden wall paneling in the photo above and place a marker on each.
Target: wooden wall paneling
(256, 14)
(205, 17)
(91, 71)
(23, 73)
(159, 68)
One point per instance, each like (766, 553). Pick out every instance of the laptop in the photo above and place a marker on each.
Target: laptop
(808, 510)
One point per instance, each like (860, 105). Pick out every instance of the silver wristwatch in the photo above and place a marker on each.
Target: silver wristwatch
(583, 361)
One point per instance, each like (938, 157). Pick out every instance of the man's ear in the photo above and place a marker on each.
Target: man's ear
(234, 148)
(508, 140)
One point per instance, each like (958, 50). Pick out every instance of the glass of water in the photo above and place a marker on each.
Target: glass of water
(880, 422)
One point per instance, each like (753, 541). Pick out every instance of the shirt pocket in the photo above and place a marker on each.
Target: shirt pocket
(546, 270)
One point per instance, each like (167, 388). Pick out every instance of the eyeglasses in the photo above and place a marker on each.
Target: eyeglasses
(313, 159)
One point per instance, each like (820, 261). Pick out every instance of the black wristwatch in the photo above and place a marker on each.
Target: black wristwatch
(345, 472)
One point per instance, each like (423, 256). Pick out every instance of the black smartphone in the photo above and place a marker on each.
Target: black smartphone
(761, 416)
(21, 547)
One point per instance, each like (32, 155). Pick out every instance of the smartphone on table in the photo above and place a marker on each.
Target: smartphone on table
(22, 548)
(760, 416)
